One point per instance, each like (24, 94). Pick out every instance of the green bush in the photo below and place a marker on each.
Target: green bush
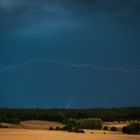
(50, 128)
(113, 128)
(132, 128)
(71, 124)
(14, 121)
(65, 127)
(77, 126)
(80, 131)
(91, 123)
(57, 128)
(3, 126)
(105, 128)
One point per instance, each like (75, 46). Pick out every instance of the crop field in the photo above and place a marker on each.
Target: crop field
(35, 124)
(26, 134)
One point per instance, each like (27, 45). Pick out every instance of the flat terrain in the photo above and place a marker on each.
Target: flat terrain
(43, 125)
(26, 134)
(35, 124)
(116, 124)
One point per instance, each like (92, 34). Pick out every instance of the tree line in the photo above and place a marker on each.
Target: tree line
(62, 115)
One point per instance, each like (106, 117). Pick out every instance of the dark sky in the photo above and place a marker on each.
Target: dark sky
(69, 53)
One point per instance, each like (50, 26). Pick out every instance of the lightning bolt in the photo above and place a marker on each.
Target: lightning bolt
(15, 66)
(70, 102)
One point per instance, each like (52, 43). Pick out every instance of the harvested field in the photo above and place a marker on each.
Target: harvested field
(35, 124)
(116, 124)
(25, 134)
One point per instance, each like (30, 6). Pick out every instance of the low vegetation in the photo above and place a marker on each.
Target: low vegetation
(132, 128)
(77, 126)
(105, 128)
(62, 115)
(113, 128)
(90, 123)
(3, 126)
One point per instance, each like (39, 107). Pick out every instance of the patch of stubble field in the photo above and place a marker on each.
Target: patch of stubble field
(24, 134)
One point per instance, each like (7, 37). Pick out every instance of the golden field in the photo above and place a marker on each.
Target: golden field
(26, 134)
(42, 125)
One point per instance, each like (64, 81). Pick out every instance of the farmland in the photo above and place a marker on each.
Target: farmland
(26, 134)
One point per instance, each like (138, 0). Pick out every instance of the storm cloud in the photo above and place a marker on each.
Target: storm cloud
(15, 14)
(102, 33)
